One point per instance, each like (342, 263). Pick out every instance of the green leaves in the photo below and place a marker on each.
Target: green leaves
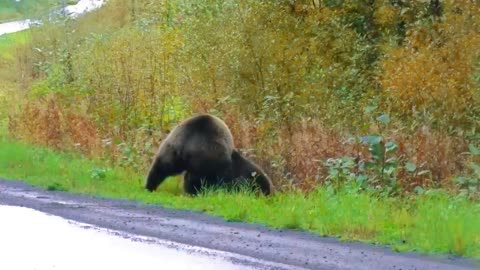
(379, 172)
(391, 147)
(371, 139)
(474, 150)
(411, 167)
(378, 151)
(377, 148)
(384, 118)
(470, 182)
(98, 173)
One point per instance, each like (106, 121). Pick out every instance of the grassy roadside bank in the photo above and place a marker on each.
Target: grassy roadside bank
(16, 10)
(431, 223)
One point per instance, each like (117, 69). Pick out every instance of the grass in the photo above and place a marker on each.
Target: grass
(9, 96)
(9, 41)
(430, 223)
(13, 10)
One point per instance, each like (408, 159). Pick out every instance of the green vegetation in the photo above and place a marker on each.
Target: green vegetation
(298, 82)
(433, 222)
(15, 10)
(365, 114)
(7, 42)
(10, 45)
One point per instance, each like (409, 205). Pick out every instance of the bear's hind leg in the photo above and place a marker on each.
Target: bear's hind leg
(191, 183)
(246, 169)
(194, 183)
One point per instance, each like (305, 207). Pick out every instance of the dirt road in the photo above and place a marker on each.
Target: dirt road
(245, 244)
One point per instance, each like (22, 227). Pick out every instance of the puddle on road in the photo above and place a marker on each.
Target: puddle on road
(30, 239)
(12, 27)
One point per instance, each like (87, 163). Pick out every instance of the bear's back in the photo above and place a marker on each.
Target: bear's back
(206, 129)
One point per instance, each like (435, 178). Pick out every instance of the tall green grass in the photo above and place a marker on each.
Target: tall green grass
(434, 222)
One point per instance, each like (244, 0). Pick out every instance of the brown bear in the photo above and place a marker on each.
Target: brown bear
(202, 147)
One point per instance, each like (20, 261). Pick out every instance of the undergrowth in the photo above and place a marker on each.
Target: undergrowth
(299, 83)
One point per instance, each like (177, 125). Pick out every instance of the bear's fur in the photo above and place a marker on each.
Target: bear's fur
(241, 173)
(203, 148)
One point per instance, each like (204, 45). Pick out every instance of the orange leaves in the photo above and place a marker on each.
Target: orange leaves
(44, 122)
(433, 71)
(385, 15)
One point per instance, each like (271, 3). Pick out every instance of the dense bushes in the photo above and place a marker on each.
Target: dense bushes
(299, 82)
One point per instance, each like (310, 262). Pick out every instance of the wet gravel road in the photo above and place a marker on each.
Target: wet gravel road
(245, 244)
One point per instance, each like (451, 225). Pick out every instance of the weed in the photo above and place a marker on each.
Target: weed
(379, 171)
(470, 185)
(56, 186)
(98, 173)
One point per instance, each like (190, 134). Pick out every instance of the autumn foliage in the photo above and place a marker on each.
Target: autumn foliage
(432, 73)
(298, 82)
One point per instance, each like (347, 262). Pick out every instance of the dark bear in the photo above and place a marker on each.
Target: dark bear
(203, 148)
(241, 173)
